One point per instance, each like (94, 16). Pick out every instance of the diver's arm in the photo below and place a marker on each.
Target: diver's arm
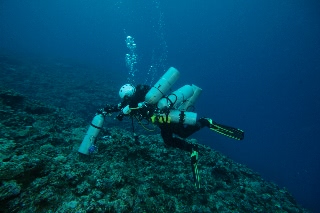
(109, 109)
(112, 108)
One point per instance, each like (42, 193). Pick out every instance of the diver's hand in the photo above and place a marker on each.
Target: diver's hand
(120, 116)
(100, 111)
(109, 109)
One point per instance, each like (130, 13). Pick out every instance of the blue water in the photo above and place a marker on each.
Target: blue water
(258, 63)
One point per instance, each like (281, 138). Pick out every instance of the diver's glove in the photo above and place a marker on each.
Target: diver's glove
(120, 116)
(195, 171)
(101, 112)
(111, 108)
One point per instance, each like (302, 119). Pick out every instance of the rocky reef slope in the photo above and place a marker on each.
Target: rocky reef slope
(41, 170)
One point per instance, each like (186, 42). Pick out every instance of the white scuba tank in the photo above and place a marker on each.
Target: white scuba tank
(92, 134)
(177, 116)
(176, 98)
(162, 86)
(189, 104)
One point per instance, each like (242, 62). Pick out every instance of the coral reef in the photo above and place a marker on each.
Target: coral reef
(79, 89)
(41, 170)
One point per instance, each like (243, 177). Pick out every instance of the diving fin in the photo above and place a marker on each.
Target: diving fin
(195, 170)
(228, 131)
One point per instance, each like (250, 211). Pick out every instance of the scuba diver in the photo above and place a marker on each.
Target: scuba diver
(172, 113)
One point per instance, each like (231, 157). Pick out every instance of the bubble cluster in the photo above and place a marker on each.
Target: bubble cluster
(150, 74)
(159, 52)
(131, 57)
(130, 43)
(158, 63)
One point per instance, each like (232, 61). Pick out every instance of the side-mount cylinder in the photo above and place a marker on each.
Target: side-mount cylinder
(91, 134)
(189, 104)
(162, 86)
(176, 98)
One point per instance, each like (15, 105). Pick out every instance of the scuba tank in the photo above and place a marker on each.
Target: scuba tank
(91, 134)
(162, 86)
(180, 102)
(176, 98)
(175, 116)
(188, 105)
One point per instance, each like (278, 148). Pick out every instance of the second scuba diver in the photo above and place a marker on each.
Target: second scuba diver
(171, 113)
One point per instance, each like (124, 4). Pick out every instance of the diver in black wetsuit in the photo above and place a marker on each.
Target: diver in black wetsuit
(134, 97)
(171, 113)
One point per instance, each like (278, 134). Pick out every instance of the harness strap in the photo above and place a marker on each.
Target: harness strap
(181, 117)
(95, 126)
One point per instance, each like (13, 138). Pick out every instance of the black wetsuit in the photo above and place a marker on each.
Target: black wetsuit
(169, 130)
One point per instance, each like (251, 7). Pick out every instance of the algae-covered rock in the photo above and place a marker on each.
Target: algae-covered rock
(10, 170)
(11, 98)
(9, 189)
(6, 148)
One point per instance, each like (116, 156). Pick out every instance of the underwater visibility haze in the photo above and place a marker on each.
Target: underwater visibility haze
(257, 62)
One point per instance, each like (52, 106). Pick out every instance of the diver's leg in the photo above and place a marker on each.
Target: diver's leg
(167, 136)
(186, 131)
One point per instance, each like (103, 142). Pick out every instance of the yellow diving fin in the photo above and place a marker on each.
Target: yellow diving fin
(195, 170)
(228, 131)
